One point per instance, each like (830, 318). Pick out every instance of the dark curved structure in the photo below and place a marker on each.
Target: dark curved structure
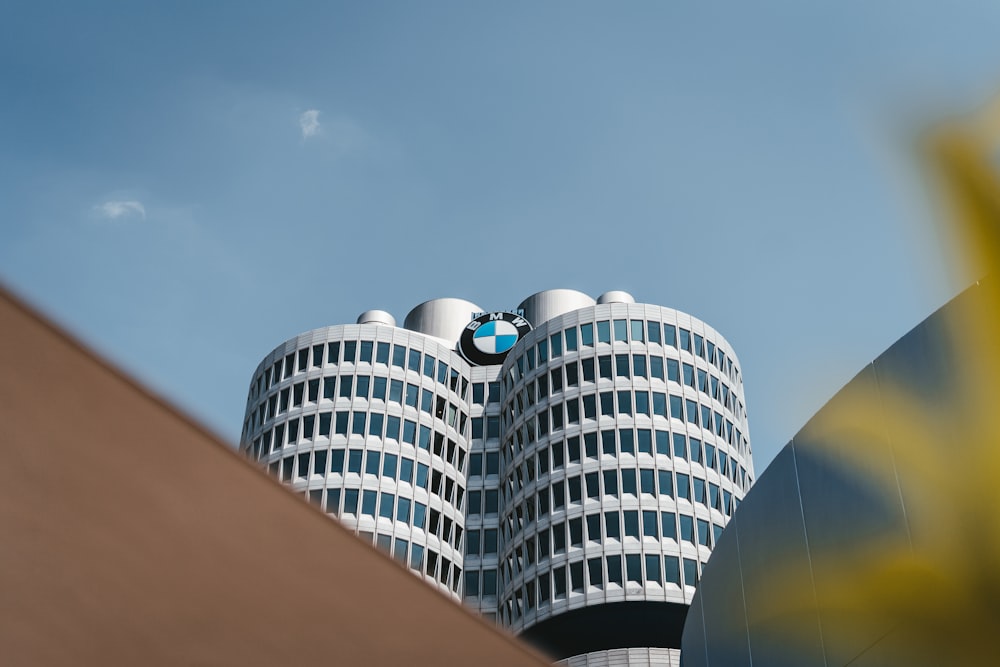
(840, 552)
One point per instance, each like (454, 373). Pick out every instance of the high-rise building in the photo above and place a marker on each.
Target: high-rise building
(564, 468)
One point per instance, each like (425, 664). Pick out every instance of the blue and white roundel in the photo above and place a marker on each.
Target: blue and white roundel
(495, 337)
(488, 338)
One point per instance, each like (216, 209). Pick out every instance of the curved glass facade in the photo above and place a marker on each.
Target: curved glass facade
(624, 454)
(596, 465)
(369, 422)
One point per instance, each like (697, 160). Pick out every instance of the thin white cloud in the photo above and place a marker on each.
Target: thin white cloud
(309, 122)
(117, 209)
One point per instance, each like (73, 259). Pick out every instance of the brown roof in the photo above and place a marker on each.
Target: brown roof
(131, 535)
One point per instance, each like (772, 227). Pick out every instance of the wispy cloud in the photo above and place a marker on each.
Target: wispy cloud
(117, 209)
(309, 122)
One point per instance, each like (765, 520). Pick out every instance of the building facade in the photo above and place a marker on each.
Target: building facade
(564, 469)
(871, 538)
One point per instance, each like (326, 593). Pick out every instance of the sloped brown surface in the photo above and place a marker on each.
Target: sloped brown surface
(130, 536)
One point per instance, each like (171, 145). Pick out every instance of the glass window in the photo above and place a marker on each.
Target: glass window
(621, 366)
(378, 388)
(676, 407)
(419, 516)
(490, 541)
(639, 365)
(659, 404)
(669, 335)
(612, 527)
(573, 411)
(690, 572)
(608, 442)
(611, 484)
(350, 501)
(673, 370)
(627, 438)
(350, 351)
(587, 335)
(346, 385)
(683, 487)
(403, 510)
(633, 565)
(608, 403)
(333, 352)
(593, 485)
(687, 528)
(368, 499)
(672, 570)
(358, 423)
(558, 455)
(492, 502)
(492, 463)
(680, 445)
(615, 569)
(595, 572)
(621, 331)
(337, 461)
(656, 367)
(387, 505)
(398, 356)
(647, 481)
(604, 363)
(695, 450)
(371, 462)
(364, 382)
(628, 482)
(570, 339)
(704, 533)
(594, 527)
(382, 353)
(666, 480)
(642, 403)
(685, 337)
(650, 524)
(625, 402)
(389, 465)
(663, 443)
(354, 460)
(668, 525)
(692, 411)
(414, 361)
(576, 532)
(603, 331)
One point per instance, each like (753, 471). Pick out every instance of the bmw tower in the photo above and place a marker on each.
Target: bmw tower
(564, 469)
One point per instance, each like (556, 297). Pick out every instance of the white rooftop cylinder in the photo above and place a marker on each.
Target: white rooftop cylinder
(377, 317)
(441, 318)
(616, 296)
(543, 306)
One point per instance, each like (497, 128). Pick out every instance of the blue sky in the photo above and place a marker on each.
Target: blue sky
(185, 185)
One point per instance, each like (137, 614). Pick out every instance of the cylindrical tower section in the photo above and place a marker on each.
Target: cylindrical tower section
(624, 453)
(543, 306)
(441, 318)
(369, 422)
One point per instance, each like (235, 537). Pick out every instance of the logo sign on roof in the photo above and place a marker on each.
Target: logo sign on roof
(488, 338)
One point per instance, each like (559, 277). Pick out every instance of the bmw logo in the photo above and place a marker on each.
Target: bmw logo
(488, 338)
